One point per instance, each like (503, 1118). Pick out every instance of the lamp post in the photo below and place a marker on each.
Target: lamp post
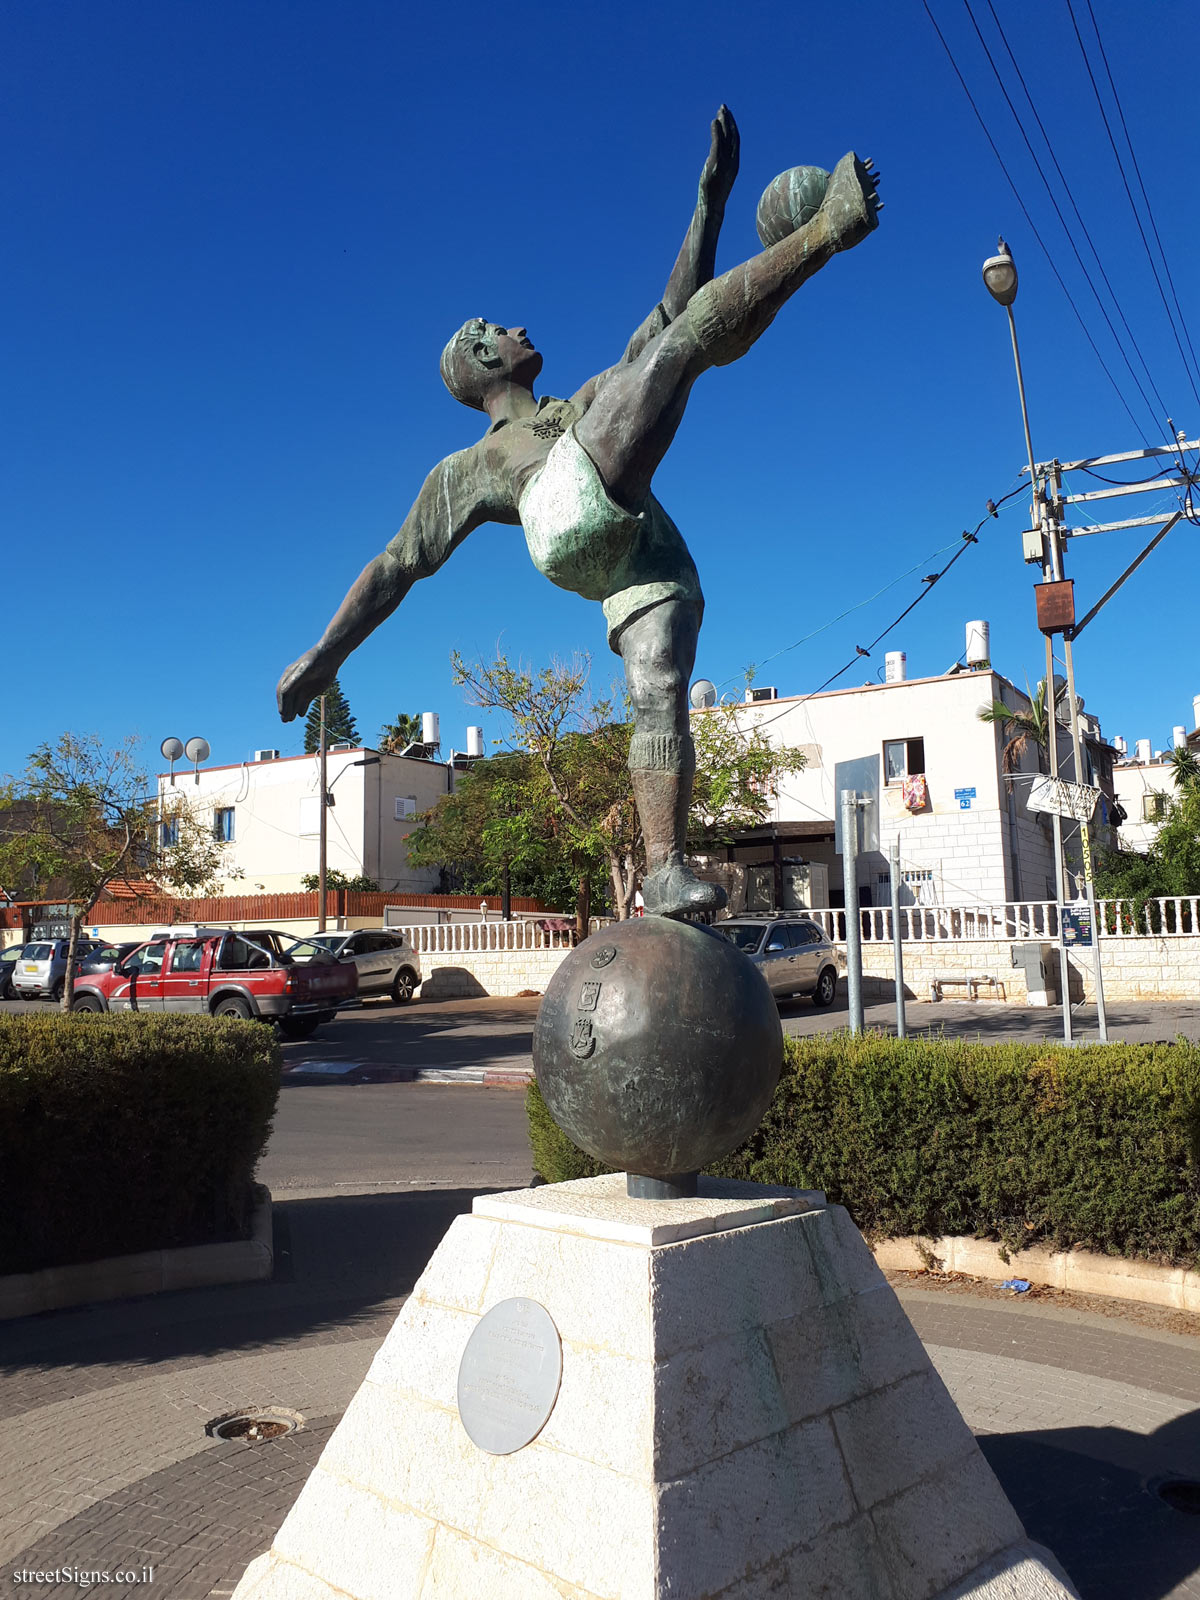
(1000, 280)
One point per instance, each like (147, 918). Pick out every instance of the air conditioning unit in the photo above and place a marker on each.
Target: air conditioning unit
(761, 694)
(266, 755)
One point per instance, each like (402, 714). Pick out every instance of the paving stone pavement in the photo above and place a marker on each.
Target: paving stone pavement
(105, 1465)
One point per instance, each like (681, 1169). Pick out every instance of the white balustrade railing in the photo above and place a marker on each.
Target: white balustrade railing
(1032, 920)
(462, 938)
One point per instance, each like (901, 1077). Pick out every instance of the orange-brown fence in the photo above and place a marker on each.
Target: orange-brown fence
(268, 908)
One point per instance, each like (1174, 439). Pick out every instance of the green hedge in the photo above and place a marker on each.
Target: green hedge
(128, 1133)
(1024, 1143)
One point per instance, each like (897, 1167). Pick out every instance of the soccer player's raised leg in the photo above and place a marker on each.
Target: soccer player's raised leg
(636, 412)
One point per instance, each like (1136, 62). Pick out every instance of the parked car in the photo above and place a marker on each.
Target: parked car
(386, 962)
(791, 951)
(41, 972)
(8, 965)
(104, 957)
(219, 972)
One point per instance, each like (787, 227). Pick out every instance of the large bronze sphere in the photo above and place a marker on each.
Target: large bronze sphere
(657, 1047)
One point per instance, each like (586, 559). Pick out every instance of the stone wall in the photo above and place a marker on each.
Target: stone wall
(453, 974)
(1133, 969)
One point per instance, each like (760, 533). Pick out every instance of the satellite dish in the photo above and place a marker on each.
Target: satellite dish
(703, 694)
(171, 749)
(197, 750)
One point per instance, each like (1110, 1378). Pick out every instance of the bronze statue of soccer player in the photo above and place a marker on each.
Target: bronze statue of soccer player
(576, 475)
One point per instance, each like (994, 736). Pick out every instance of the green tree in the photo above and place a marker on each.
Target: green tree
(340, 726)
(1170, 867)
(398, 735)
(562, 801)
(1185, 767)
(335, 878)
(1022, 728)
(83, 814)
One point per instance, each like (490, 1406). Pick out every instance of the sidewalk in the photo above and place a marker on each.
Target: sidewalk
(104, 1462)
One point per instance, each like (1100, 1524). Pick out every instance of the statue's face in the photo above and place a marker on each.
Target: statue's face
(511, 353)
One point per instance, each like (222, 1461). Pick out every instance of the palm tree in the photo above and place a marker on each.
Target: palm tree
(1021, 728)
(1185, 767)
(398, 735)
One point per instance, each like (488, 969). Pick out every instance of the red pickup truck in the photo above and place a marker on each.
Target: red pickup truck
(222, 973)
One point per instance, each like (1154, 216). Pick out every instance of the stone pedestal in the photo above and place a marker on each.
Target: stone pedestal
(745, 1412)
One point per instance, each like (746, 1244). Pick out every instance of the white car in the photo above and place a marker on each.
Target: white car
(40, 972)
(386, 961)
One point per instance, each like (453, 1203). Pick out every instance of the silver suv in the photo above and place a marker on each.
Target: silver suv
(792, 953)
(41, 968)
(386, 961)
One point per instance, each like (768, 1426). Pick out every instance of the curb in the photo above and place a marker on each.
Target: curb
(1082, 1271)
(195, 1266)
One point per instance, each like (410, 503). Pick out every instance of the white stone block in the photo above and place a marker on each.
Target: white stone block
(1024, 1572)
(355, 1541)
(463, 1569)
(744, 1412)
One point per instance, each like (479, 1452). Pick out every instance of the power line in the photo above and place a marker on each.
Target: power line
(1145, 197)
(1128, 192)
(1071, 198)
(1032, 225)
(964, 543)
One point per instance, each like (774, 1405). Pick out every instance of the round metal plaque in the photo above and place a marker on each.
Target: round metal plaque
(509, 1375)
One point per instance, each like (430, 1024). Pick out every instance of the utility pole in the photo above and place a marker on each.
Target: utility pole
(323, 825)
(850, 805)
(897, 947)
(1000, 280)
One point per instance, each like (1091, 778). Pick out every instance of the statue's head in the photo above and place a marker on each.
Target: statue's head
(482, 354)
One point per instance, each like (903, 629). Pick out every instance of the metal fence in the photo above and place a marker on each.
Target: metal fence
(1034, 920)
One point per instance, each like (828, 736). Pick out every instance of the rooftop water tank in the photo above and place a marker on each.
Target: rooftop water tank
(979, 644)
(474, 741)
(1142, 750)
(1179, 736)
(895, 666)
(430, 728)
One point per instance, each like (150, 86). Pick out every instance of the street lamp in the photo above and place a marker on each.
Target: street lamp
(1000, 280)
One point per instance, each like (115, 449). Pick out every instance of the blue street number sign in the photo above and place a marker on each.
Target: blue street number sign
(964, 798)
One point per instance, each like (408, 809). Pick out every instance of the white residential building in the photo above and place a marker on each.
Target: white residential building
(268, 813)
(934, 775)
(1144, 781)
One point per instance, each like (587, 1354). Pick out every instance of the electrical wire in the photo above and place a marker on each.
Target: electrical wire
(1029, 220)
(1125, 184)
(842, 615)
(1145, 197)
(1071, 198)
(964, 543)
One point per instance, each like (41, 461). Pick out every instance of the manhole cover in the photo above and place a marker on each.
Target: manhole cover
(254, 1424)
(1181, 1494)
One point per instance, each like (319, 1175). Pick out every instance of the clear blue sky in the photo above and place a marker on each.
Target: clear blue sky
(238, 237)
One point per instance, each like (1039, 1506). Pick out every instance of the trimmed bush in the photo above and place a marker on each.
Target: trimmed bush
(127, 1133)
(1096, 1147)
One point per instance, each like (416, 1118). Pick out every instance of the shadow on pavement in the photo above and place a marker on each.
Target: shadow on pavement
(1087, 1495)
(342, 1264)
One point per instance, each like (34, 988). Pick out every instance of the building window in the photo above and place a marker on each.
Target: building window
(223, 824)
(1154, 807)
(169, 832)
(903, 758)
